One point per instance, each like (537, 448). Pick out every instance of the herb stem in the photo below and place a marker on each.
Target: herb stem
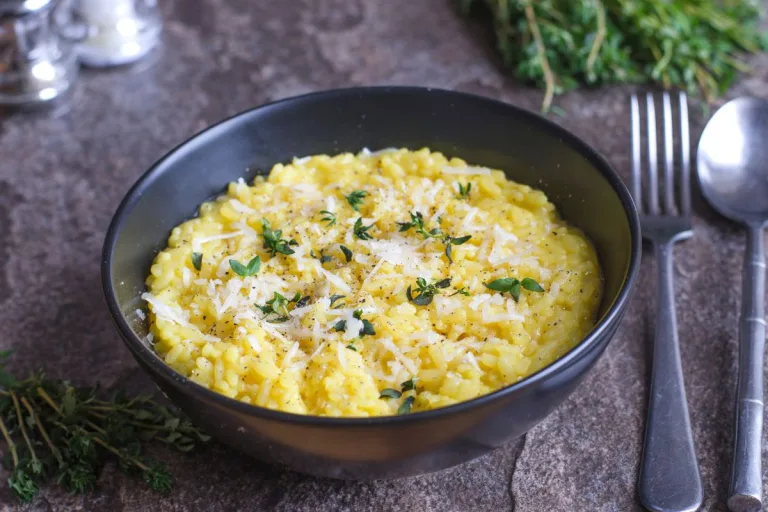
(45, 396)
(146, 426)
(11, 444)
(22, 427)
(599, 36)
(42, 430)
(120, 454)
(549, 77)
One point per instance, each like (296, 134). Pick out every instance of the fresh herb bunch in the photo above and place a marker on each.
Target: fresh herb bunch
(52, 430)
(687, 44)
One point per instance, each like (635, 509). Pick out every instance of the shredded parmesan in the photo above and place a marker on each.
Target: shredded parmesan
(197, 243)
(290, 355)
(470, 358)
(388, 344)
(240, 207)
(334, 279)
(340, 348)
(254, 343)
(467, 170)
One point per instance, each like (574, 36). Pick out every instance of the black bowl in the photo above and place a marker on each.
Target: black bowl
(532, 150)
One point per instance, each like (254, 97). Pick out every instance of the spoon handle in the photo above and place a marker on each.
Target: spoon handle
(746, 474)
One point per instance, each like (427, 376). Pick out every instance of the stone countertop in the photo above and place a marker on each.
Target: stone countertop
(63, 173)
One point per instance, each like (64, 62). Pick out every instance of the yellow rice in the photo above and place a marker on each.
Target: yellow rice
(205, 324)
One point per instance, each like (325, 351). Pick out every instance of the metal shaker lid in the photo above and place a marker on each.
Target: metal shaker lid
(22, 7)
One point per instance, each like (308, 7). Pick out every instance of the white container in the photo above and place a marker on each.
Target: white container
(119, 31)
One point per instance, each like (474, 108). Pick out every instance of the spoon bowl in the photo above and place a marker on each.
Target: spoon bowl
(733, 161)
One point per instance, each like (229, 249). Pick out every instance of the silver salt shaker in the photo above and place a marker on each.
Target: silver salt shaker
(38, 62)
(119, 31)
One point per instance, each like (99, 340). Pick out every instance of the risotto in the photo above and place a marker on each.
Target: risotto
(372, 284)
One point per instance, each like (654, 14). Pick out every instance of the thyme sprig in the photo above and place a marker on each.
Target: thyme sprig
(361, 231)
(426, 291)
(513, 286)
(55, 431)
(417, 223)
(273, 241)
(276, 309)
(560, 44)
(355, 199)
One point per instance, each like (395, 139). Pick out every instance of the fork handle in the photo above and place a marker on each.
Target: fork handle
(669, 478)
(746, 474)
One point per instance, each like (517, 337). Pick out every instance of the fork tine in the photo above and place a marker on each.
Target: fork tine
(653, 160)
(636, 164)
(669, 157)
(685, 145)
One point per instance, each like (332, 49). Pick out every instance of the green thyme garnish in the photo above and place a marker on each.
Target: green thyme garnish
(277, 307)
(52, 431)
(249, 269)
(197, 260)
(355, 199)
(390, 393)
(323, 258)
(361, 231)
(512, 286)
(334, 298)
(367, 328)
(352, 347)
(405, 407)
(417, 223)
(425, 291)
(409, 385)
(328, 217)
(464, 191)
(460, 291)
(273, 241)
(347, 253)
(449, 242)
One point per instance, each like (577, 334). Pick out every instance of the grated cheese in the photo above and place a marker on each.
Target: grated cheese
(290, 355)
(409, 364)
(254, 343)
(333, 279)
(470, 358)
(467, 170)
(198, 242)
(240, 207)
(340, 349)
(140, 314)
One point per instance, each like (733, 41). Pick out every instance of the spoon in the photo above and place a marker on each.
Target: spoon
(733, 173)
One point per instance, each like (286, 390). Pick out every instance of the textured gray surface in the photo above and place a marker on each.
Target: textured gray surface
(62, 174)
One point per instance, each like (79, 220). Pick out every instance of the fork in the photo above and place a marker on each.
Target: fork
(669, 479)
